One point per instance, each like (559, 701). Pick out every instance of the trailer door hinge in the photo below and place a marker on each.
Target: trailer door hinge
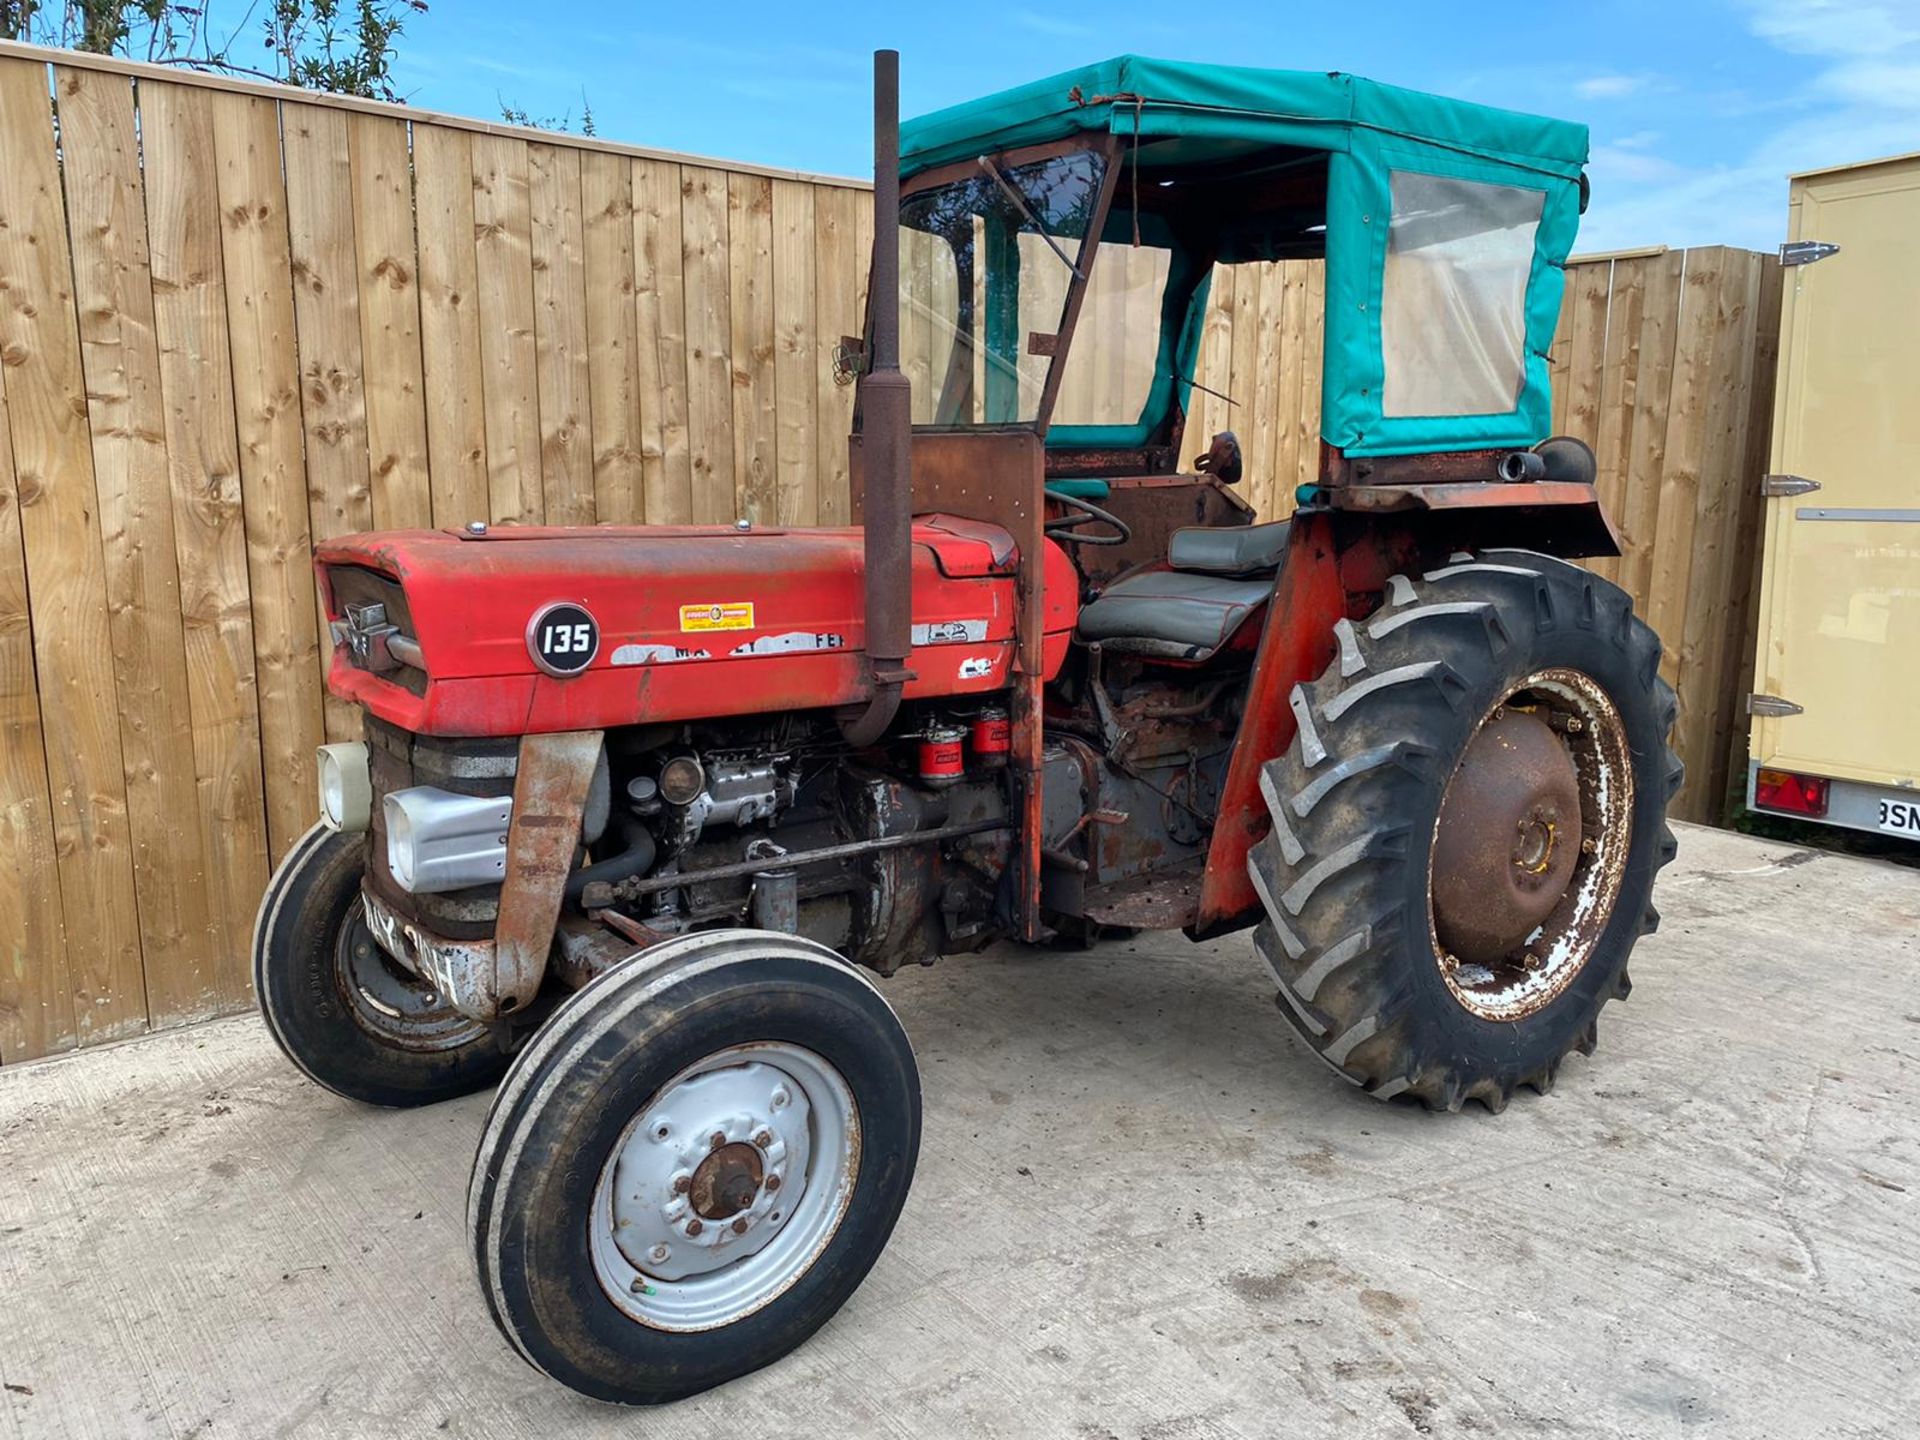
(1772, 706)
(1787, 485)
(1805, 252)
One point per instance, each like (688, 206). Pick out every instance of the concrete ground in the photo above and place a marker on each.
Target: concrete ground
(1142, 1210)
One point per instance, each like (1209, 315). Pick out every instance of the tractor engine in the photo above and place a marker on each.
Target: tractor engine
(686, 827)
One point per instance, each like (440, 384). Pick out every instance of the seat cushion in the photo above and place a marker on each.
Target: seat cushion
(1167, 613)
(1229, 549)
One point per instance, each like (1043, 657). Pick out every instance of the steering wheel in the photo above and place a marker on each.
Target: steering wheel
(1066, 530)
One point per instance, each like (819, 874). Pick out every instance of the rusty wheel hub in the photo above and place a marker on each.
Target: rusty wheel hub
(726, 1182)
(1531, 844)
(1508, 839)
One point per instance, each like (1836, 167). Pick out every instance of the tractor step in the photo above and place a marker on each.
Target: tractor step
(1166, 900)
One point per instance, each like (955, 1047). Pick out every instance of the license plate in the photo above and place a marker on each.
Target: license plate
(1900, 817)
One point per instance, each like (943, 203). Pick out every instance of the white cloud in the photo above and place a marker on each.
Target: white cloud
(1835, 27)
(1857, 100)
(1610, 87)
(1632, 166)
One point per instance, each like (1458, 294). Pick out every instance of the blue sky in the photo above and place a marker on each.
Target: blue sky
(1698, 108)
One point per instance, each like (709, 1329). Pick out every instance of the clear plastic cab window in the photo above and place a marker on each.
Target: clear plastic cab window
(1453, 318)
(985, 264)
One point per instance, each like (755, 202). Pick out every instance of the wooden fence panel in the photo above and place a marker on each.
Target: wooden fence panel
(297, 316)
(113, 295)
(180, 147)
(388, 276)
(754, 377)
(93, 989)
(257, 268)
(613, 339)
(450, 324)
(660, 326)
(795, 353)
(707, 279)
(503, 238)
(36, 997)
(560, 334)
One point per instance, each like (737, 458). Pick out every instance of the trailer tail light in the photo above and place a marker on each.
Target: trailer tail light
(1790, 794)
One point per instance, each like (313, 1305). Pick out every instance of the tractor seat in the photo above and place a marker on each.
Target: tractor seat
(1219, 575)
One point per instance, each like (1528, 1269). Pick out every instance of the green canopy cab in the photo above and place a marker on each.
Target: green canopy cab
(1444, 227)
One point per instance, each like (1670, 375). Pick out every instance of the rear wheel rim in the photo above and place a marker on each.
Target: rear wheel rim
(726, 1188)
(1527, 825)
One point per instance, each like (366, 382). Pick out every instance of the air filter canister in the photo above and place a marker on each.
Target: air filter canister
(992, 737)
(943, 754)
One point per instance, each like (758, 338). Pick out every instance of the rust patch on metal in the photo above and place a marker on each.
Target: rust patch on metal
(726, 1182)
(549, 794)
(1508, 837)
(1529, 975)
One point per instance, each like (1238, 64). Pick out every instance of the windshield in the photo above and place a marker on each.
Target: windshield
(983, 286)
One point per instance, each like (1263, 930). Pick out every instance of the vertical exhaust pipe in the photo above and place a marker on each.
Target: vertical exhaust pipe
(886, 432)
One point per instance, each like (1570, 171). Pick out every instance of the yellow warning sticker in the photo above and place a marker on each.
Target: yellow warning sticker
(737, 615)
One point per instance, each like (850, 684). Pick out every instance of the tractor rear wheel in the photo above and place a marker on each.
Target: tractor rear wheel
(1466, 829)
(693, 1164)
(338, 1007)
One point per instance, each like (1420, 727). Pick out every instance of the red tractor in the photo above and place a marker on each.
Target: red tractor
(638, 810)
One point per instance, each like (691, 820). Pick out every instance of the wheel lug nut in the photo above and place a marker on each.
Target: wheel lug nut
(764, 1139)
(694, 1227)
(717, 1141)
(682, 1184)
(773, 1182)
(780, 1099)
(1587, 847)
(659, 1252)
(740, 1226)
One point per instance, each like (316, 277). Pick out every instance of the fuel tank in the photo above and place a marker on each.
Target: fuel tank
(520, 630)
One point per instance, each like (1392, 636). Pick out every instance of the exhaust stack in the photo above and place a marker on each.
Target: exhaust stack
(886, 429)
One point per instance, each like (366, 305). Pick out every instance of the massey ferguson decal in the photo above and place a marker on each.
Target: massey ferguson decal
(791, 643)
(794, 642)
(656, 654)
(562, 638)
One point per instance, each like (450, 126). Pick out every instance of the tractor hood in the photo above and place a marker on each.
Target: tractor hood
(526, 629)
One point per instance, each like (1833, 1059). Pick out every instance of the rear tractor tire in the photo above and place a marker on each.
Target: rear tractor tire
(343, 1012)
(693, 1165)
(1466, 829)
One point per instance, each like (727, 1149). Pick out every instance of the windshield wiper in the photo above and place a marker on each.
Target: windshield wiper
(1013, 194)
(1208, 389)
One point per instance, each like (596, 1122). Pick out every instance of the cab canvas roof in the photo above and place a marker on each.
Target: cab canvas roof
(1322, 110)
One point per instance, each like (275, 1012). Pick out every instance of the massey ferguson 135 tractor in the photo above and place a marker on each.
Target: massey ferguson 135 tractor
(637, 810)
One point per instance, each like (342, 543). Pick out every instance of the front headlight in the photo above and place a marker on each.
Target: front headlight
(437, 840)
(346, 788)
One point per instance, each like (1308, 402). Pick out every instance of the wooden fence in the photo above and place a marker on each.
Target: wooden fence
(236, 319)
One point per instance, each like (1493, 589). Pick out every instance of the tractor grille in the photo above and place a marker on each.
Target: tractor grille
(399, 759)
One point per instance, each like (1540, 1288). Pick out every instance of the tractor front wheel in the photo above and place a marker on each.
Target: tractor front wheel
(693, 1165)
(1466, 829)
(339, 1007)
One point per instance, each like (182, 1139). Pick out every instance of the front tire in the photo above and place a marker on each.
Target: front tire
(1466, 829)
(348, 1017)
(693, 1165)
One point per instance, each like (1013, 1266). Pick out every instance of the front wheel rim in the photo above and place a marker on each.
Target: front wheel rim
(398, 1009)
(1545, 961)
(726, 1188)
